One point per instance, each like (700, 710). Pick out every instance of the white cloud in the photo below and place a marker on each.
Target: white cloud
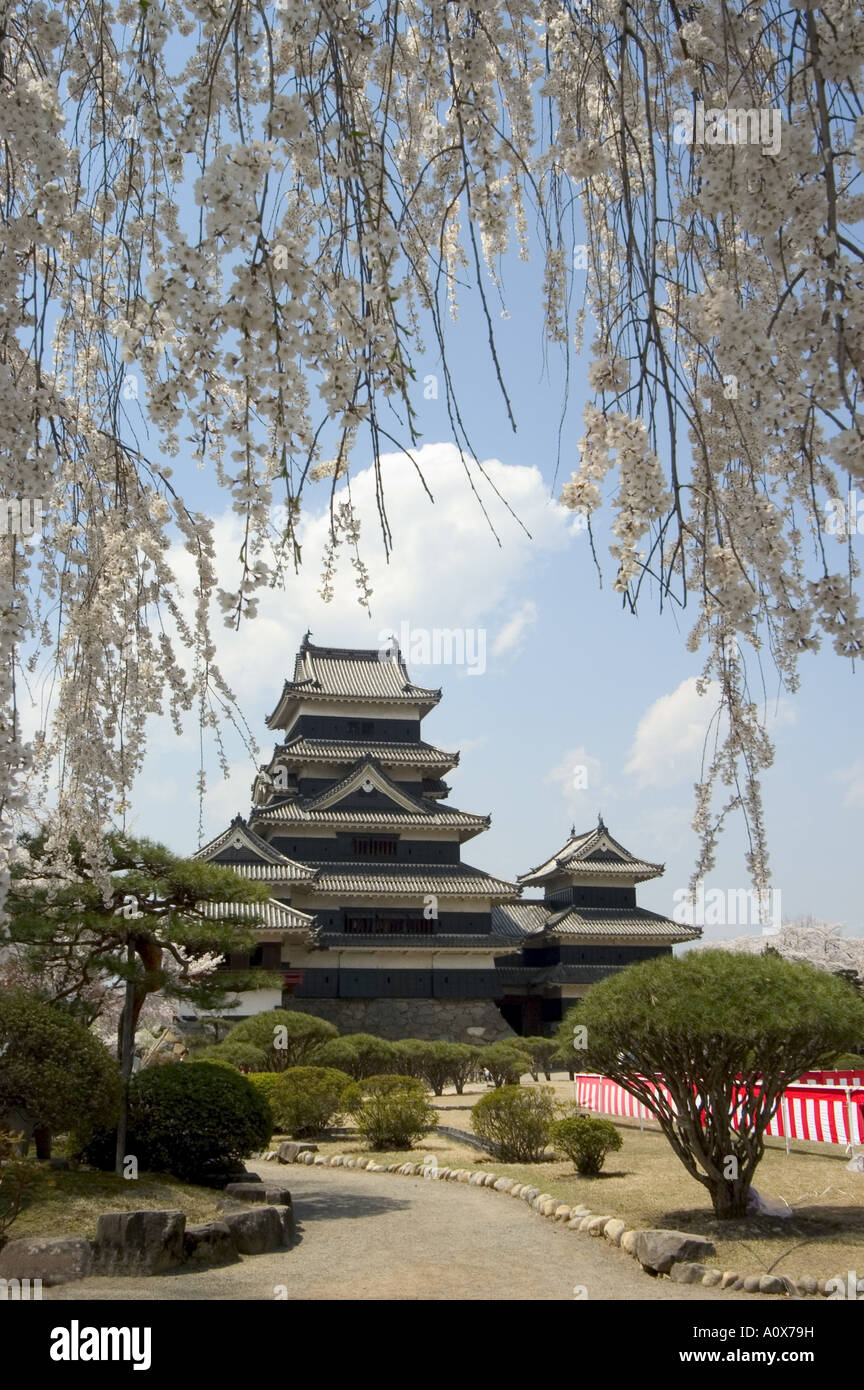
(672, 733)
(513, 632)
(670, 736)
(854, 778)
(447, 569)
(580, 779)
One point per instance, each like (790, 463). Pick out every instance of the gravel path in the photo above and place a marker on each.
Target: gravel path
(380, 1236)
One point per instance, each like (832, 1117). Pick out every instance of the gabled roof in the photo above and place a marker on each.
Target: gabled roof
(239, 848)
(590, 856)
(373, 674)
(401, 809)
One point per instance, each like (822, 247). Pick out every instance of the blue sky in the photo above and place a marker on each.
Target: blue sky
(571, 679)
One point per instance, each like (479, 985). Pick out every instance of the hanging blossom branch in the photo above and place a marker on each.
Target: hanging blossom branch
(719, 152)
(231, 223)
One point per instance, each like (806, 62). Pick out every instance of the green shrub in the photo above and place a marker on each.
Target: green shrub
(286, 1037)
(305, 1100)
(443, 1064)
(516, 1122)
(407, 1054)
(506, 1062)
(364, 1055)
(265, 1083)
(394, 1121)
(359, 1091)
(543, 1053)
(54, 1071)
(242, 1056)
(21, 1179)
(341, 1054)
(847, 1061)
(188, 1120)
(586, 1140)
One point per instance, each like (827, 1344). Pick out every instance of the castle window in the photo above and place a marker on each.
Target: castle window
(375, 846)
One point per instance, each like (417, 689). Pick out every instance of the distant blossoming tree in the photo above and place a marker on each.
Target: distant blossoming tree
(232, 221)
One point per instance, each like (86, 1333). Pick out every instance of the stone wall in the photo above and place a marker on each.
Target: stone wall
(430, 1019)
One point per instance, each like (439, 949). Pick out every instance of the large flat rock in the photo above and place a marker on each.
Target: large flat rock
(139, 1242)
(658, 1250)
(57, 1260)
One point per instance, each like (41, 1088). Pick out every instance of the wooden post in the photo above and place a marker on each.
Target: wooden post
(784, 1106)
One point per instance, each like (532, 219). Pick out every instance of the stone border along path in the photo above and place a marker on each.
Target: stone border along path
(674, 1253)
(363, 1239)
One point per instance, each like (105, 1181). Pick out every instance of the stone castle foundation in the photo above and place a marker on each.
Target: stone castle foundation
(432, 1020)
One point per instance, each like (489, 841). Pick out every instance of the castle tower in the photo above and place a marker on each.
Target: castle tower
(391, 933)
(586, 926)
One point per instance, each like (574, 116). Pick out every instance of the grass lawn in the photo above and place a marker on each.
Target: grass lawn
(646, 1185)
(73, 1201)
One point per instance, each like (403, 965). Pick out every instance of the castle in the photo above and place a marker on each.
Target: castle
(375, 922)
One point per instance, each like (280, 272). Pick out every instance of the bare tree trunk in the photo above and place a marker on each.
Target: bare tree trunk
(729, 1198)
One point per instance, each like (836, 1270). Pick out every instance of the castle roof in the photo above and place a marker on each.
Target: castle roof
(370, 675)
(590, 857)
(329, 750)
(391, 805)
(271, 915)
(239, 848)
(574, 925)
(335, 877)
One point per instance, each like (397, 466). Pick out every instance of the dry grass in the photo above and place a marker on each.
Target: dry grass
(70, 1205)
(646, 1185)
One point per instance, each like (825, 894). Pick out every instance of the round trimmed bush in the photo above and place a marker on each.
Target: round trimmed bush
(516, 1122)
(445, 1064)
(286, 1037)
(586, 1140)
(359, 1091)
(407, 1055)
(265, 1082)
(189, 1120)
(53, 1069)
(543, 1053)
(506, 1062)
(242, 1056)
(360, 1054)
(305, 1100)
(395, 1120)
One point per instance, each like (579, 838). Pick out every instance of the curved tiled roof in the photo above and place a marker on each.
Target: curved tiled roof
(418, 879)
(271, 873)
(519, 919)
(323, 808)
(591, 923)
(592, 854)
(326, 750)
(272, 914)
(295, 813)
(268, 865)
(350, 673)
